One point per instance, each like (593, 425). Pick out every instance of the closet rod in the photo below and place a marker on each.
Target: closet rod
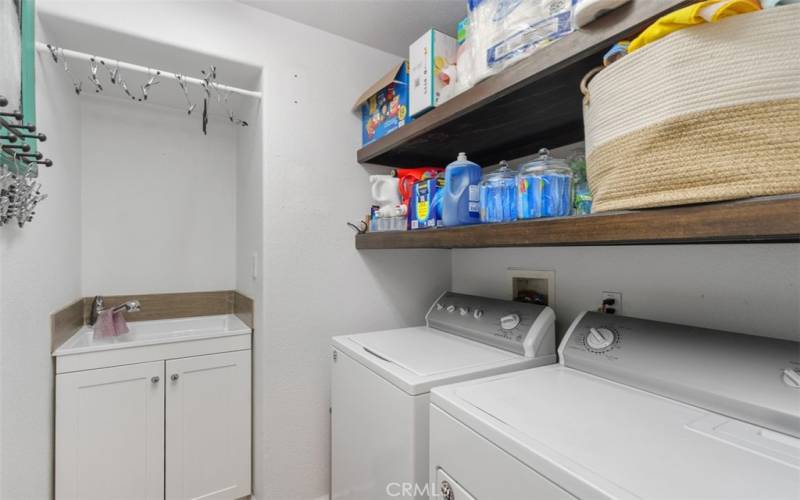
(42, 47)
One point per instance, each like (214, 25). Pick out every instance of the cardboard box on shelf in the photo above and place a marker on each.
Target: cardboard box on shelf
(432, 60)
(384, 106)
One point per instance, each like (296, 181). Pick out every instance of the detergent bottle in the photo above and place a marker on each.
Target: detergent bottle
(461, 199)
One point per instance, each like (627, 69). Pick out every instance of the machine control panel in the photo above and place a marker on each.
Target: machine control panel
(500, 323)
(748, 377)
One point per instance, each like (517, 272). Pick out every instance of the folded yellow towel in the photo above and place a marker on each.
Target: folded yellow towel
(709, 11)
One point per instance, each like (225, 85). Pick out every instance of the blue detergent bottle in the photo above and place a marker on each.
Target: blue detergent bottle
(461, 199)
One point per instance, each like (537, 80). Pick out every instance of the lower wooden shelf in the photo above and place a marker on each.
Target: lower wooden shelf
(765, 219)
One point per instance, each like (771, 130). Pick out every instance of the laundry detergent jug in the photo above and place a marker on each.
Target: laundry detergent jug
(461, 199)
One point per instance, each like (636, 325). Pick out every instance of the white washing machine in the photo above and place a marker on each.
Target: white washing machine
(634, 409)
(381, 383)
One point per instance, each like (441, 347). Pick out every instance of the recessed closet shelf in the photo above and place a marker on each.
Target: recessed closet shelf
(764, 219)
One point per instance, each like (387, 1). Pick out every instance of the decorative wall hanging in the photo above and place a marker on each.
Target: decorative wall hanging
(20, 192)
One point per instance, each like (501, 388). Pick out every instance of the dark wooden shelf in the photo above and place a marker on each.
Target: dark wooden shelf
(767, 219)
(535, 103)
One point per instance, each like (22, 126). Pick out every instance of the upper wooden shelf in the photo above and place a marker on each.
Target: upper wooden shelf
(535, 103)
(767, 219)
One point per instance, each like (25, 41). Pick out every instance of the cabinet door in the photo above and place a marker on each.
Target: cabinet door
(110, 433)
(208, 426)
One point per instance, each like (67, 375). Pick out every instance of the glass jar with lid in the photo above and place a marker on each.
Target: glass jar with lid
(498, 198)
(544, 187)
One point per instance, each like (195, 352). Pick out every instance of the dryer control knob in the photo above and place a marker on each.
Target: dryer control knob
(463, 311)
(478, 314)
(600, 339)
(509, 321)
(439, 307)
(791, 378)
(451, 308)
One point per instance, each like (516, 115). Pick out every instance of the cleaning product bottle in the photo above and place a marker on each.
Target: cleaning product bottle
(437, 199)
(461, 201)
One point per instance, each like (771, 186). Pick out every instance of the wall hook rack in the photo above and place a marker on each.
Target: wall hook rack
(20, 192)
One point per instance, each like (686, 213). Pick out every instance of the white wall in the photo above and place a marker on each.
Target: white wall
(746, 288)
(315, 284)
(249, 205)
(249, 240)
(159, 199)
(41, 268)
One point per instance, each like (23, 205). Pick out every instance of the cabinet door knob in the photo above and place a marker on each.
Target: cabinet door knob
(155, 379)
(174, 377)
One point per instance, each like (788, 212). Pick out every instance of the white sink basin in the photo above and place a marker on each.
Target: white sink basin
(163, 331)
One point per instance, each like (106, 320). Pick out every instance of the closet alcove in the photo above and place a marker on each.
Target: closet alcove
(163, 204)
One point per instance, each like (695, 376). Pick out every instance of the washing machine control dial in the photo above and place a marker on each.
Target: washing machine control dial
(463, 311)
(451, 308)
(600, 339)
(478, 314)
(509, 321)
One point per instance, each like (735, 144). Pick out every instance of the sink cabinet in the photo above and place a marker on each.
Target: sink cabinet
(175, 428)
(110, 433)
(208, 426)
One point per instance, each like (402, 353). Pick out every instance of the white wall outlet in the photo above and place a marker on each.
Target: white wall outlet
(530, 282)
(616, 297)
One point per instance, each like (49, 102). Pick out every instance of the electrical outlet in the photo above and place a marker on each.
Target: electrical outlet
(616, 297)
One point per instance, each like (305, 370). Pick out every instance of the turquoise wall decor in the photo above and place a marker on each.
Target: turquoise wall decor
(20, 20)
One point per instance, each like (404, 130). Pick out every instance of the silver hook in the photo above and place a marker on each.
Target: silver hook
(125, 89)
(77, 84)
(53, 52)
(185, 90)
(152, 81)
(231, 117)
(113, 73)
(98, 87)
(208, 79)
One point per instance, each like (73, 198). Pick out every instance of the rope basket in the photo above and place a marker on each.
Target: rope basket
(708, 113)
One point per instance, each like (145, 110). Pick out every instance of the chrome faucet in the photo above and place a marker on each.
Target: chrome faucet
(98, 307)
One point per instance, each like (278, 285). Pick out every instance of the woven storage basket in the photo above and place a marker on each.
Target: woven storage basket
(708, 113)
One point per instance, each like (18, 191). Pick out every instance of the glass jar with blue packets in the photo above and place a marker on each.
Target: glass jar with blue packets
(544, 187)
(498, 195)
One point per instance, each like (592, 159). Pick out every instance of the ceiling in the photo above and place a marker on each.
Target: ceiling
(388, 25)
